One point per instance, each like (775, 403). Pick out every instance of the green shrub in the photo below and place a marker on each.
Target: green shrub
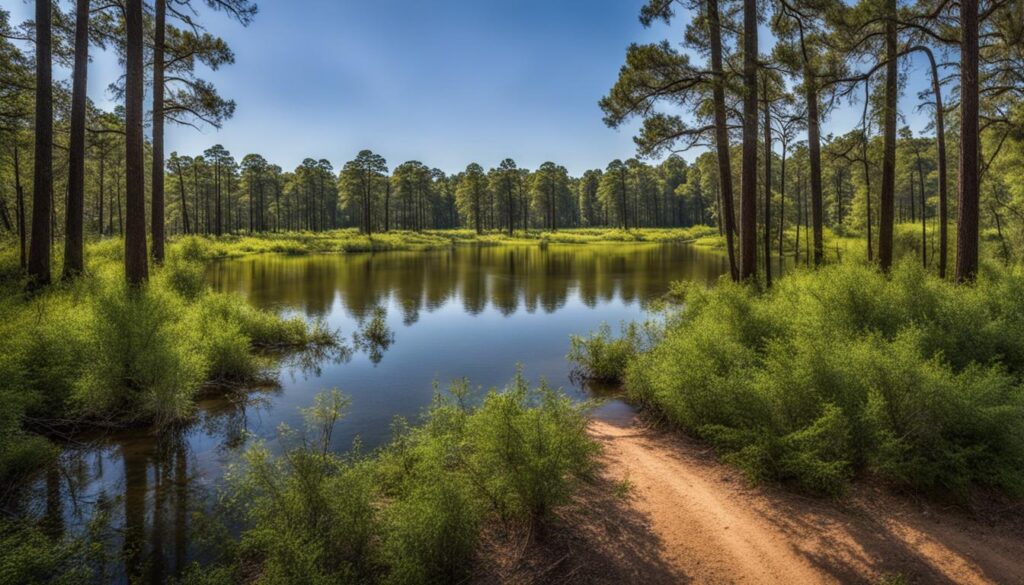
(413, 512)
(228, 354)
(845, 370)
(185, 277)
(310, 510)
(600, 356)
(142, 359)
(530, 445)
(30, 555)
(430, 533)
(264, 329)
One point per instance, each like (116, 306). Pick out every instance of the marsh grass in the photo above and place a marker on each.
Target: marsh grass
(202, 248)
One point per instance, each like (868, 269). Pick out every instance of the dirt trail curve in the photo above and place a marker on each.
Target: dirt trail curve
(708, 526)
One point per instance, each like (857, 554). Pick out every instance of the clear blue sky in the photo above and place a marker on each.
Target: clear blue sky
(446, 82)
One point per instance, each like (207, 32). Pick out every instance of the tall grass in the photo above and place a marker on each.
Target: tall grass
(845, 371)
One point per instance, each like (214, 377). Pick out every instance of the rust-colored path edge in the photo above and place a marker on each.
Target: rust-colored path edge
(665, 510)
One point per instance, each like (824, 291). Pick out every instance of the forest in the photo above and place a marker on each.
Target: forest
(812, 285)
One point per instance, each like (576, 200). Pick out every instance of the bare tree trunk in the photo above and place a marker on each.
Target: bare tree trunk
(967, 223)
(722, 134)
(184, 200)
(782, 204)
(940, 143)
(767, 189)
(885, 230)
(157, 204)
(135, 261)
(20, 195)
(814, 154)
(42, 185)
(74, 215)
(748, 187)
(924, 215)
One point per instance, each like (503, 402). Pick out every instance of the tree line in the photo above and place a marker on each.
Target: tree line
(161, 45)
(719, 89)
(760, 115)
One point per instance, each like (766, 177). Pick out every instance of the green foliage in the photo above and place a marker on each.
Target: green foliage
(600, 356)
(185, 277)
(31, 555)
(846, 370)
(413, 512)
(192, 249)
(95, 350)
(138, 362)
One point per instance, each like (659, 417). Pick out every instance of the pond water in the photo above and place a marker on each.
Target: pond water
(467, 312)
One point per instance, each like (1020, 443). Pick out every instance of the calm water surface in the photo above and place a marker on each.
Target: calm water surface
(467, 312)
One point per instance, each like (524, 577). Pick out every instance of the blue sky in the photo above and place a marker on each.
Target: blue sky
(446, 82)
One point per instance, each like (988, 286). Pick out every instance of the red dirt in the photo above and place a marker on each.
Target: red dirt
(688, 518)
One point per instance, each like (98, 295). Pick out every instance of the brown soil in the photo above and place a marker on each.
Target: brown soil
(687, 518)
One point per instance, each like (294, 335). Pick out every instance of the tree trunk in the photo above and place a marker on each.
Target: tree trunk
(885, 229)
(924, 215)
(19, 192)
(782, 204)
(103, 156)
(722, 134)
(767, 190)
(184, 201)
(967, 222)
(42, 185)
(135, 262)
(814, 154)
(867, 198)
(799, 216)
(157, 186)
(74, 214)
(748, 193)
(940, 143)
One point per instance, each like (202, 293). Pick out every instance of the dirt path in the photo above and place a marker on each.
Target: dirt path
(705, 525)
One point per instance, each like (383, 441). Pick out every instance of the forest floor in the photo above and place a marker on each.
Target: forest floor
(665, 510)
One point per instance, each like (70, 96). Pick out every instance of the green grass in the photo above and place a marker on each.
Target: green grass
(198, 248)
(844, 371)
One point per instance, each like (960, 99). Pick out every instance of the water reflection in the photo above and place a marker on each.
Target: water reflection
(136, 492)
(505, 277)
(415, 318)
(374, 337)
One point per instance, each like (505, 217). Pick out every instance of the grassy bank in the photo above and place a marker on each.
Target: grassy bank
(351, 240)
(838, 373)
(94, 353)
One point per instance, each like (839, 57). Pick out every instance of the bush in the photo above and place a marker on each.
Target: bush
(845, 370)
(262, 328)
(142, 361)
(529, 445)
(600, 356)
(185, 277)
(413, 512)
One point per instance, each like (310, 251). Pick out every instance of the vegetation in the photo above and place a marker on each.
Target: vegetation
(97, 352)
(839, 372)
(883, 361)
(414, 511)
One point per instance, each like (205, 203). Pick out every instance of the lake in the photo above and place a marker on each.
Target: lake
(471, 312)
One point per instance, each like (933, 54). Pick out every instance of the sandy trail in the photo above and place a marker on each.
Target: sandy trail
(707, 526)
